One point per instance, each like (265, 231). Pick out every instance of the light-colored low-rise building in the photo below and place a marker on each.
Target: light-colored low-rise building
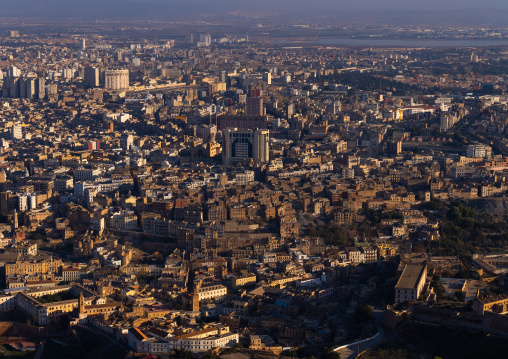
(411, 283)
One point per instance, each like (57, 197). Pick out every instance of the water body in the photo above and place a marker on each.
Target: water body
(374, 42)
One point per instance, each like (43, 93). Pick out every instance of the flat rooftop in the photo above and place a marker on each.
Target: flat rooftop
(410, 276)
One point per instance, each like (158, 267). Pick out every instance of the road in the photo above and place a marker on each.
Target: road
(5, 352)
(353, 350)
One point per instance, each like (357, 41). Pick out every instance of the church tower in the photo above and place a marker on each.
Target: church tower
(195, 301)
(15, 223)
(81, 306)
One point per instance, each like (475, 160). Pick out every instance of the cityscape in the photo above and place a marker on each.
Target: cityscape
(244, 185)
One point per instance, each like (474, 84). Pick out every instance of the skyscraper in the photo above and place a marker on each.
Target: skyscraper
(205, 40)
(22, 87)
(14, 87)
(41, 88)
(31, 88)
(92, 76)
(267, 77)
(239, 145)
(126, 141)
(14, 72)
(51, 89)
(254, 106)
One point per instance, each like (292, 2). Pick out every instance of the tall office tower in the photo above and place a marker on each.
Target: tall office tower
(92, 76)
(239, 145)
(83, 44)
(254, 106)
(126, 141)
(267, 77)
(205, 39)
(116, 79)
(394, 147)
(22, 87)
(5, 88)
(67, 73)
(14, 72)
(51, 89)
(31, 88)
(14, 87)
(136, 61)
(290, 109)
(118, 55)
(41, 88)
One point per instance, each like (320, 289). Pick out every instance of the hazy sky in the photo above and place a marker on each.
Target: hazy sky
(161, 8)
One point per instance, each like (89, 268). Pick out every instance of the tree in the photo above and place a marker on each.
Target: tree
(328, 353)
(455, 214)
(364, 312)
(440, 291)
(182, 354)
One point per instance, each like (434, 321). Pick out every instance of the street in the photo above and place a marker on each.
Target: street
(351, 351)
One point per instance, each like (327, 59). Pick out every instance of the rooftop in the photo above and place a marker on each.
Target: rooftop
(410, 277)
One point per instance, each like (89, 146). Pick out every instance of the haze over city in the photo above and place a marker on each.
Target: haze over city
(253, 179)
(389, 11)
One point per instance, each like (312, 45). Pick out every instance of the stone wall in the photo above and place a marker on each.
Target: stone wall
(495, 323)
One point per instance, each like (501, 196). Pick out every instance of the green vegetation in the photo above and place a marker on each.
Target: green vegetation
(433, 205)
(368, 82)
(57, 297)
(334, 235)
(386, 354)
(431, 341)
(465, 232)
(364, 312)
(16, 353)
(84, 345)
(375, 217)
(328, 353)
(143, 280)
(458, 212)
(313, 353)
(182, 354)
(36, 236)
(437, 286)
(62, 249)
